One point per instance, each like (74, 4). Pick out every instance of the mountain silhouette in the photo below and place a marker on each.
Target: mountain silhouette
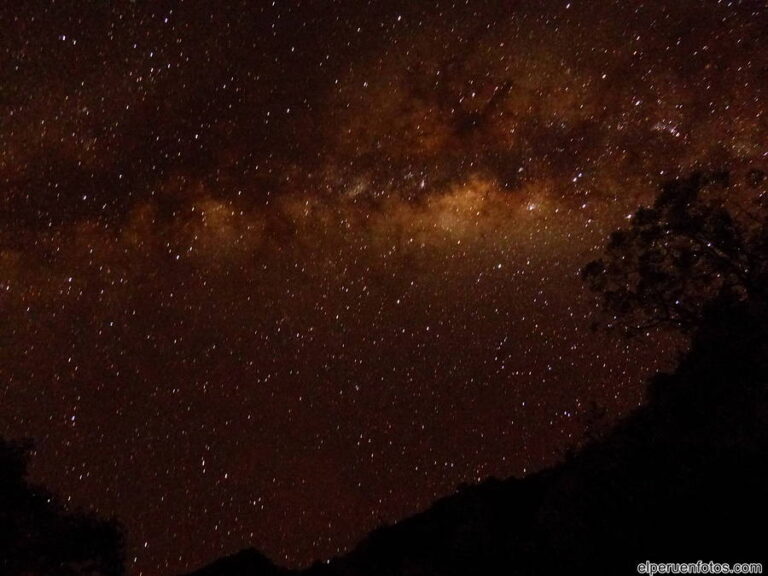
(248, 561)
(683, 478)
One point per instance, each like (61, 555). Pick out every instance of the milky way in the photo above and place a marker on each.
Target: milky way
(273, 274)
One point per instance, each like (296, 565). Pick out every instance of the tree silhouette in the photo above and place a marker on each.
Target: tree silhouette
(703, 240)
(38, 537)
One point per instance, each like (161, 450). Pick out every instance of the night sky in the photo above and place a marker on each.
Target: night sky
(275, 273)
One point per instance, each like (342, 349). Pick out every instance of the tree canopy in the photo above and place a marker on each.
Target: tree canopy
(703, 241)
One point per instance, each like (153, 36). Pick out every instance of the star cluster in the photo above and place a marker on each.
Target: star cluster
(274, 273)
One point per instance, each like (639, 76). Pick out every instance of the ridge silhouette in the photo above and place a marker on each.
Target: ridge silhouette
(684, 478)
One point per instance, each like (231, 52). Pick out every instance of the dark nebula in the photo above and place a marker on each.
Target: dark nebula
(274, 273)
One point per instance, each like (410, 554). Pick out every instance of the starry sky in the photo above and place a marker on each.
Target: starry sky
(275, 273)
